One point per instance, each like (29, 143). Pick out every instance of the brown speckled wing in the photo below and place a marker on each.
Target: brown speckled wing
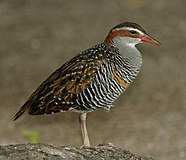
(59, 92)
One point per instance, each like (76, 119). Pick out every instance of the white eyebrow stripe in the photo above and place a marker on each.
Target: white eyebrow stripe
(129, 28)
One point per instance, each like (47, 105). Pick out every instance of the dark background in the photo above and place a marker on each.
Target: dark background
(37, 37)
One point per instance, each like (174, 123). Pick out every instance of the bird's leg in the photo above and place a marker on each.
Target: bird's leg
(82, 121)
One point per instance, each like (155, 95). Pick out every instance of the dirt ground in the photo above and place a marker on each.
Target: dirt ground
(37, 37)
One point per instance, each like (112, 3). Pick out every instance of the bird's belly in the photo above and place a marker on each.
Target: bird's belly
(99, 95)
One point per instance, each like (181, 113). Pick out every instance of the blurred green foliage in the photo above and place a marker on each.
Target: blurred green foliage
(34, 136)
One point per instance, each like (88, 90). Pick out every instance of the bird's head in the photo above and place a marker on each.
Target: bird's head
(129, 33)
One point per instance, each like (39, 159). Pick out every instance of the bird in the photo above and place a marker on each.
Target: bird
(93, 79)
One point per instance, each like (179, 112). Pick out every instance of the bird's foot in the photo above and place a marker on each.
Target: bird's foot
(106, 144)
(85, 146)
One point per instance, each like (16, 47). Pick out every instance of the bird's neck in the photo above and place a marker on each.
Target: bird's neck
(129, 59)
(129, 52)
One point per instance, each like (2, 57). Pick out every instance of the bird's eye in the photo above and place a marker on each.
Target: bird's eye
(132, 32)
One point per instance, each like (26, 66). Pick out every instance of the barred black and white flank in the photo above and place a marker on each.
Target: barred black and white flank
(93, 79)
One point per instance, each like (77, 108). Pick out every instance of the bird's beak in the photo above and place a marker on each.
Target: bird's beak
(146, 38)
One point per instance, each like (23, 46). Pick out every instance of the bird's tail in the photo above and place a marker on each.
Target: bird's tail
(21, 111)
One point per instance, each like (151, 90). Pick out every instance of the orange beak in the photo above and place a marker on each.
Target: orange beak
(147, 39)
